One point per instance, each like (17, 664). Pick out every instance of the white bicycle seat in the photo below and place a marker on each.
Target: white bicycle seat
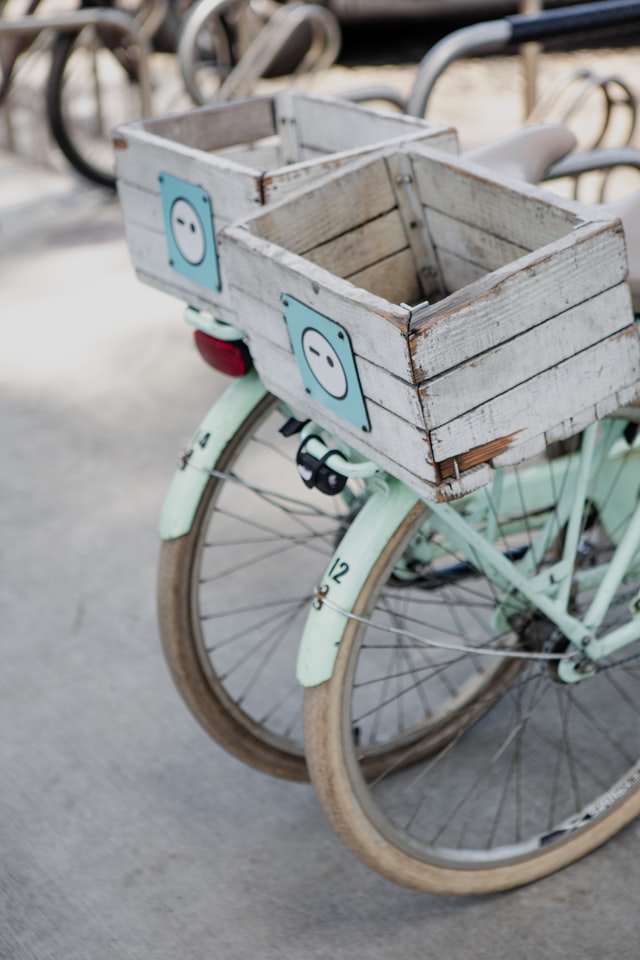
(527, 153)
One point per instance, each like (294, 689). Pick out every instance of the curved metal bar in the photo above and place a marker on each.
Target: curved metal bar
(95, 16)
(274, 37)
(388, 94)
(603, 158)
(261, 53)
(197, 18)
(495, 35)
(489, 37)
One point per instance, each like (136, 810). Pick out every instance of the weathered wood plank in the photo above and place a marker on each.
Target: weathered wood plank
(148, 252)
(524, 357)
(420, 240)
(264, 155)
(456, 272)
(524, 215)
(359, 248)
(234, 190)
(517, 297)
(211, 127)
(332, 126)
(393, 278)
(469, 242)
(143, 208)
(552, 398)
(354, 196)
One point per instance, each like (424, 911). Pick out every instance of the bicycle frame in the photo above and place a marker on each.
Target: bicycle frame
(546, 592)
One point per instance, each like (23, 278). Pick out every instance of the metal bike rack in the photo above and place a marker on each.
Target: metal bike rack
(127, 25)
(271, 40)
(495, 35)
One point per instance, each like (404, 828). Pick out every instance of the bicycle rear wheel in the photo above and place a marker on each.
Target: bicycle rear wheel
(516, 775)
(234, 592)
(93, 85)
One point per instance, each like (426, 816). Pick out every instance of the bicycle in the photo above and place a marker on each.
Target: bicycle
(531, 546)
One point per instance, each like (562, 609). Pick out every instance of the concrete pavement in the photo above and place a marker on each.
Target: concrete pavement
(125, 832)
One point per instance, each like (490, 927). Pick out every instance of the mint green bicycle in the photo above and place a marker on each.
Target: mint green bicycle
(466, 695)
(470, 669)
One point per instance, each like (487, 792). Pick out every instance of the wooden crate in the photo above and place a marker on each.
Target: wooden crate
(229, 160)
(485, 317)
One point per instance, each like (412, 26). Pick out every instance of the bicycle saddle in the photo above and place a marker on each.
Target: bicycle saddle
(527, 153)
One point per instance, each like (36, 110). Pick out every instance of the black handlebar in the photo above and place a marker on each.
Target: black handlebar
(566, 20)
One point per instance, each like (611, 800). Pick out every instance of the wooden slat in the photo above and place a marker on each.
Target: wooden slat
(411, 210)
(493, 373)
(393, 278)
(352, 197)
(235, 190)
(517, 297)
(456, 272)
(148, 251)
(264, 155)
(359, 248)
(550, 399)
(526, 215)
(332, 125)
(470, 243)
(377, 328)
(214, 127)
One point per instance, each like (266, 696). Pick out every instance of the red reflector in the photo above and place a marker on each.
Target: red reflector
(228, 356)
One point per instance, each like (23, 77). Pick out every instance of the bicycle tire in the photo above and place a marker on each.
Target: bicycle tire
(92, 86)
(529, 786)
(233, 593)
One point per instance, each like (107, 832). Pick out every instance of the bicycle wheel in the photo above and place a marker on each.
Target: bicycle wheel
(234, 592)
(93, 85)
(521, 774)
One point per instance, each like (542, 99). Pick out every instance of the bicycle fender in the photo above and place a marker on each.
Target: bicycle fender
(212, 436)
(345, 576)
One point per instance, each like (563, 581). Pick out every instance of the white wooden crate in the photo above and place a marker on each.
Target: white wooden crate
(486, 317)
(239, 156)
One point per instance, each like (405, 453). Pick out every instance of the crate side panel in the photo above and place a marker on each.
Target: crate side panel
(456, 272)
(470, 243)
(360, 248)
(142, 207)
(344, 203)
(392, 439)
(234, 190)
(332, 125)
(315, 164)
(377, 328)
(393, 278)
(149, 256)
(517, 297)
(265, 324)
(522, 215)
(540, 404)
(213, 127)
(520, 359)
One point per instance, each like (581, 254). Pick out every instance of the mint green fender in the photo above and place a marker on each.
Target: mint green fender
(222, 421)
(345, 576)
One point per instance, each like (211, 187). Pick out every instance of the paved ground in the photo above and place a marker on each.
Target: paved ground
(125, 833)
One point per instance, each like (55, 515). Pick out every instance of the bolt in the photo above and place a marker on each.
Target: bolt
(319, 594)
